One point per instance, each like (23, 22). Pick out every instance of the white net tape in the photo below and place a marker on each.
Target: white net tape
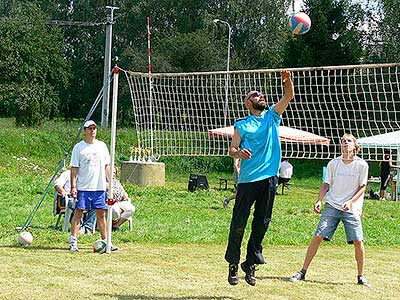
(175, 113)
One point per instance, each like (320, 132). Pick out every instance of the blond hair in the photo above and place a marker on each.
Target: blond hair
(349, 135)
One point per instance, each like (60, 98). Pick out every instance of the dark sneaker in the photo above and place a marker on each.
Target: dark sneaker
(297, 277)
(233, 277)
(362, 281)
(225, 203)
(113, 248)
(250, 273)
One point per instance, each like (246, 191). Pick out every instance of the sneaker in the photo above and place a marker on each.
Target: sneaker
(73, 248)
(250, 273)
(362, 281)
(113, 248)
(73, 242)
(233, 277)
(88, 231)
(225, 203)
(297, 277)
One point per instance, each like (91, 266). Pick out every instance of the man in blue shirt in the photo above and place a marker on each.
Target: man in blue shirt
(256, 143)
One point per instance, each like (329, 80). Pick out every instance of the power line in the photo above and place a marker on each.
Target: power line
(75, 23)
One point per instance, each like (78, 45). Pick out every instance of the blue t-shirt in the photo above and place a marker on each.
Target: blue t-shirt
(260, 135)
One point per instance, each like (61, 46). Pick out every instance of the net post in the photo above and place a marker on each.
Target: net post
(112, 155)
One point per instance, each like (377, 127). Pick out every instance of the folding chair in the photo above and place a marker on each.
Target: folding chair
(63, 206)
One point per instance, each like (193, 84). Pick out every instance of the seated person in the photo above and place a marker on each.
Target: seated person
(386, 166)
(63, 186)
(122, 209)
(285, 171)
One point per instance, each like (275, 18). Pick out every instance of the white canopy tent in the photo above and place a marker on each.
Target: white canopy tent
(390, 140)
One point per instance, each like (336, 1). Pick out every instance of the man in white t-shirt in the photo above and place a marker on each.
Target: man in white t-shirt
(90, 171)
(344, 188)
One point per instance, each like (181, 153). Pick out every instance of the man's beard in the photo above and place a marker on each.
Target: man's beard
(259, 106)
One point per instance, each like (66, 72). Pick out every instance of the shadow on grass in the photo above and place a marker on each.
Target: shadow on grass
(35, 248)
(146, 297)
(309, 281)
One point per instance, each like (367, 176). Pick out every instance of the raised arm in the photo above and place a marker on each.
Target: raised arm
(288, 95)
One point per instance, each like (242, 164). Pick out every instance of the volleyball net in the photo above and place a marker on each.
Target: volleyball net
(191, 114)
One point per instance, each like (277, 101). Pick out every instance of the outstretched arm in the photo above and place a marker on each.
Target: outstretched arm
(288, 95)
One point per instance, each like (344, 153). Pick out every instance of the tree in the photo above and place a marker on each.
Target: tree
(34, 68)
(335, 37)
(390, 30)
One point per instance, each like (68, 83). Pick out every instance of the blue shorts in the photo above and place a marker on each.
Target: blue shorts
(91, 199)
(330, 219)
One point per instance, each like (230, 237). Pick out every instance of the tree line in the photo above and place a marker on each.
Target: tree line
(49, 70)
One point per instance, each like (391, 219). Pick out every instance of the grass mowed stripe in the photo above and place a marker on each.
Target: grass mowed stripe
(188, 271)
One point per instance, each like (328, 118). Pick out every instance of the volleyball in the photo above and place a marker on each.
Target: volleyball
(99, 246)
(299, 23)
(25, 238)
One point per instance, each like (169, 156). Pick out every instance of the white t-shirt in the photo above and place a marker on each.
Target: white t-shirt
(344, 181)
(286, 169)
(91, 159)
(64, 181)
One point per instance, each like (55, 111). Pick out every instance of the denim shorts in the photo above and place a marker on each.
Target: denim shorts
(91, 199)
(330, 219)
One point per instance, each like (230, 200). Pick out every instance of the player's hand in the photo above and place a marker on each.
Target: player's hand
(74, 192)
(285, 75)
(244, 154)
(317, 206)
(347, 205)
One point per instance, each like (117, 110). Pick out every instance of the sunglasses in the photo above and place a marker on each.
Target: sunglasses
(256, 94)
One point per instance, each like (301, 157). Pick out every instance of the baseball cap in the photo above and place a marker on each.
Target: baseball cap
(89, 123)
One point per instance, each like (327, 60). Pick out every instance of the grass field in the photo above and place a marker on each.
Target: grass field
(165, 258)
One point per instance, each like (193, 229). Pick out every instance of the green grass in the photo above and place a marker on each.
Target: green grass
(163, 257)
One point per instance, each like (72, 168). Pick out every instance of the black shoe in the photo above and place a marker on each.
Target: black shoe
(250, 273)
(297, 277)
(233, 277)
(362, 281)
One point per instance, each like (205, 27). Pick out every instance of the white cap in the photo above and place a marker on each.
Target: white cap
(88, 123)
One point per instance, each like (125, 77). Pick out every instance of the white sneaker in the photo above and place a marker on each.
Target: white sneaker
(73, 242)
(73, 248)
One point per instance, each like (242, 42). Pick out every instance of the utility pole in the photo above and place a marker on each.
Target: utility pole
(107, 67)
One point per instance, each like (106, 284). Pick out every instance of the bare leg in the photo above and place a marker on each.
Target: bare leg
(312, 250)
(101, 221)
(76, 222)
(360, 256)
(119, 222)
